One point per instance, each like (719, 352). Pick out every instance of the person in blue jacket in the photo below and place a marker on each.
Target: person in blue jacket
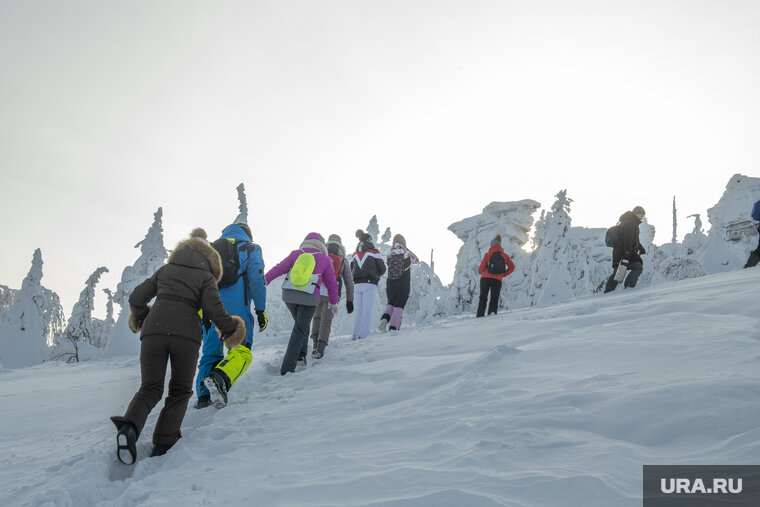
(217, 373)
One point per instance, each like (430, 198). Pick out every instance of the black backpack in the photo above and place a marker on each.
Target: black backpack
(611, 237)
(230, 261)
(496, 264)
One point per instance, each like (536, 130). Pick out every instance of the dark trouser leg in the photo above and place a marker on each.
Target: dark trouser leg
(154, 354)
(753, 259)
(326, 324)
(183, 354)
(634, 271)
(299, 336)
(495, 289)
(483, 297)
(316, 322)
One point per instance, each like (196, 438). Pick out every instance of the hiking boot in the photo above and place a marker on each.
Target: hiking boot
(301, 363)
(217, 384)
(319, 352)
(382, 325)
(126, 442)
(203, 401)
(159, 450)
(393, 328)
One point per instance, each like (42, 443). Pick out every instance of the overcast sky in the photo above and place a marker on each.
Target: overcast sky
(421, 112)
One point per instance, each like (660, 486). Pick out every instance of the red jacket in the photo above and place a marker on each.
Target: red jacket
(483, 269)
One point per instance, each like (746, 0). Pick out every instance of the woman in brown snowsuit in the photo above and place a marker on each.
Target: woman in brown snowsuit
(171, 330)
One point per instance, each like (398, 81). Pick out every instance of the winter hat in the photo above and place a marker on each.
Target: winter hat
(334, 238)
(315, 235)
(638, 210)
(496, 240)
(398, 238)
(246, 230)
(199, 233)
(363, 236)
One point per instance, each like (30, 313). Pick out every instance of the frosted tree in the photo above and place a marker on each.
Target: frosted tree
(22, 330)
(80, 329)
(386, 235)
(674, 239)
(102, 328)
(697, 224)
(121, 340)
(373, 230)
(242, 217)
(550, 280)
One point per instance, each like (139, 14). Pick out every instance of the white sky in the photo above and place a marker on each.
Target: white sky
(421, 112)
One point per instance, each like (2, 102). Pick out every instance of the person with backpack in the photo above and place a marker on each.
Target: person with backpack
(754, 256)
(399, 262)
(493, 268)
(242, 282)
(170, 330)
(627, 249)
(367, 266)
(323, 316)
(307, 268)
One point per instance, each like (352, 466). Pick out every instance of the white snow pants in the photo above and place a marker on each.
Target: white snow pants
(364, 304)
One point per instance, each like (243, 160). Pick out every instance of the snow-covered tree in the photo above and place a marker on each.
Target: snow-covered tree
(121, 340)
(373, 230)
(386, 235)
(102, 328)
(22, 330)
(80, 330)
(243, 215)
(550, 280)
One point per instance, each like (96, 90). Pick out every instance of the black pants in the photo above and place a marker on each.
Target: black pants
(155, 352)
(631, 278)
(298, 345)
(493, 286)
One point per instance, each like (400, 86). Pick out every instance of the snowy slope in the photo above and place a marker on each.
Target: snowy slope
(537, 407)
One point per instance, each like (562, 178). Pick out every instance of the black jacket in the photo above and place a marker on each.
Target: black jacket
(367, 265)
(628, 246)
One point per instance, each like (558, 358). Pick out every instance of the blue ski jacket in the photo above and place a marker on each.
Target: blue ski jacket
(251, 284)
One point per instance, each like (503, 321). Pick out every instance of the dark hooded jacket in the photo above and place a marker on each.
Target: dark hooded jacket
(628, 246)
(185, 284)
(367, 264)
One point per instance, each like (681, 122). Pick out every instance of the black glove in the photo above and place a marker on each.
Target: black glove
(349, 306)
(261, 316)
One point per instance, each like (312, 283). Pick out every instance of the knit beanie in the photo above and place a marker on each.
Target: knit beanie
(638, 210)
(334, 238)
(363, 236)
(398, 238)
(496, 240)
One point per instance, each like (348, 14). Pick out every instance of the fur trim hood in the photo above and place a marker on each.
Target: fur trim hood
(197, 253)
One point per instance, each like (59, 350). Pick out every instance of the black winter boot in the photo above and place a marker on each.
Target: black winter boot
(126, 441)
(217, 384)
(319, 352)
(203, 401)
(159, 450)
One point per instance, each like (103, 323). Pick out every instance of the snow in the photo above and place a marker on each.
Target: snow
(543, 406)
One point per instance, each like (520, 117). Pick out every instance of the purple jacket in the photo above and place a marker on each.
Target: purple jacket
(323, 268)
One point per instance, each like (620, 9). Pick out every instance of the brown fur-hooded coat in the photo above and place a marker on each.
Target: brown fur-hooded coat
(185, 284)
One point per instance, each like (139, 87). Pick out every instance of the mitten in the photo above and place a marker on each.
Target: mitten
(334, 309)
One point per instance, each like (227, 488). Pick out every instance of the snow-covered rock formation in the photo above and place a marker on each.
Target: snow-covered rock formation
(513, 220)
